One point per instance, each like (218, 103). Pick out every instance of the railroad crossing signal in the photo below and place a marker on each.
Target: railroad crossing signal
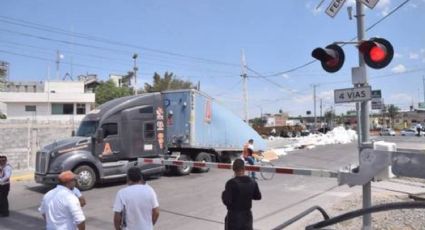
(331, 57)
(377, 52)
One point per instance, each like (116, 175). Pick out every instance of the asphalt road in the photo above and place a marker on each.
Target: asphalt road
(193, 202)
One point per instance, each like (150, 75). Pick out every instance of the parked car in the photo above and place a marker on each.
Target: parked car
(387, 132)
(409, 132)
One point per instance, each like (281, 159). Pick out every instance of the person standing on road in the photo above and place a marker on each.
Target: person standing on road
(136, 206)
(5, 174)
(237, 196)
(248, 150)
(418, 129)
(60, 207)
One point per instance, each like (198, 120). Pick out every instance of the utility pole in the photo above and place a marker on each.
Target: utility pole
(423, 81)
(135, 72)
(58, 57)
(314, 100)
(245, 86)
(321, 104)
(364, 115)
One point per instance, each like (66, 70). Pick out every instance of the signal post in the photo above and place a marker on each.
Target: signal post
(376, 53)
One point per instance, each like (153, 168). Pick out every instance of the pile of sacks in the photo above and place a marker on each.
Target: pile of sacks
(339, 135)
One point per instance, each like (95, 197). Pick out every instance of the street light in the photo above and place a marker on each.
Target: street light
(135, 72)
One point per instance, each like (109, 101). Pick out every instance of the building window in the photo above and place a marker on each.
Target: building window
(30, 108)
(81, 108)
(59, 109)
(149, 131)
(110, 129)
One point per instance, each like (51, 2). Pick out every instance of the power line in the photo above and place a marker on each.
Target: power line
(64, 51)
(62, 41)
(94, 47)
(291, 91)
(146, 61)
(354, 38)
(50, 29)
(386, 16)
(50, 60)
(230, 88)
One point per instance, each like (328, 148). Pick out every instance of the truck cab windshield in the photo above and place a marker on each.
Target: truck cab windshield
(87, 128)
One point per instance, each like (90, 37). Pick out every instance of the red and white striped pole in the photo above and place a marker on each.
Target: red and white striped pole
(253, 168)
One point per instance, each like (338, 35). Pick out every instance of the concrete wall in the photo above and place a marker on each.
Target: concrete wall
(12, 97)
(17, 111)
(20, 140)
(64, 86)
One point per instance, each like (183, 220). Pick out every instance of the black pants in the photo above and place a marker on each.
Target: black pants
(238, 220)
(4, 203)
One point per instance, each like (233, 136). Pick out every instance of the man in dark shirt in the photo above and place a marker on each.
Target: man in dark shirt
(237, 196)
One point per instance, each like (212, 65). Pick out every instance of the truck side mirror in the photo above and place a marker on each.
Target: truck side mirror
(99, 135)
(73, 133)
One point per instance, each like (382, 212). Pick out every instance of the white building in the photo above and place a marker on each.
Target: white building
(53, 100)
(121, 80)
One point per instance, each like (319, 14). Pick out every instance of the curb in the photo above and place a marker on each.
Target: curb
(22, 177)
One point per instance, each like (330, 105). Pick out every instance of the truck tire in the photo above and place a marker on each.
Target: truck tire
(183, 170)
(87, 177)
(202, 157)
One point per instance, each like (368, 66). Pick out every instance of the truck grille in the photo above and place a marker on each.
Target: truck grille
(42, 161)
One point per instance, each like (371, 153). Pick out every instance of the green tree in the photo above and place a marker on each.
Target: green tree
(392, 111)
(107, 91)
(258, 121)
(329, 117)
(168, 82)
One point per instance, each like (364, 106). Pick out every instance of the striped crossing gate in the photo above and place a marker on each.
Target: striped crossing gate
(253, 168)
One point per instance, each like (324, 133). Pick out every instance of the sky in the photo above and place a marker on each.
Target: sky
(202, 41)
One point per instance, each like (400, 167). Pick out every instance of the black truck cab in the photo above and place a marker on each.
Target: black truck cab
(108, 141)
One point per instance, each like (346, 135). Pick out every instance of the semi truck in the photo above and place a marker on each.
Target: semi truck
(181, 124)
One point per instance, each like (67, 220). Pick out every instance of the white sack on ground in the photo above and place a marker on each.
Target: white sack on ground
(339, 135)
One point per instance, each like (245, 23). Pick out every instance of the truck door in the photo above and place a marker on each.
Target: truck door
(149, 141)
(109, 149)
(177, 107)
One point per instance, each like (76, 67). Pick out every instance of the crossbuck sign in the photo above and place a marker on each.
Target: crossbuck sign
(336, 5)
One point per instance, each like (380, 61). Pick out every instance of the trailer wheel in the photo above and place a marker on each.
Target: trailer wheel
(87, 177)
(183, 170)
(202, 157)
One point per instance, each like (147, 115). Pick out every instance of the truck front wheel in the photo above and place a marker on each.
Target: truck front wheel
(87, 177)
(183, 170)
(202, 157)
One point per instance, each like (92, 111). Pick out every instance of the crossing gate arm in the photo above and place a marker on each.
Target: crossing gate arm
(252, 168)
(408, 163)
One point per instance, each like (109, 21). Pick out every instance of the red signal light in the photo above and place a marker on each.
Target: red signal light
(377, 52)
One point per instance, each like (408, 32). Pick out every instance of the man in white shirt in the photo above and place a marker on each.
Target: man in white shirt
(80, 196)
(61, 208)
(136, 206)
(5, 174)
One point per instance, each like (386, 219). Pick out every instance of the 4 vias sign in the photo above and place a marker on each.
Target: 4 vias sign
(353, 94)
